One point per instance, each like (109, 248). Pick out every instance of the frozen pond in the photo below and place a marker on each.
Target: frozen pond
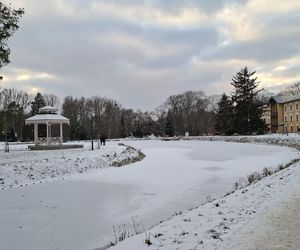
(80, 212)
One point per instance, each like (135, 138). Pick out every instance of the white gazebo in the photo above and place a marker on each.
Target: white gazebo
(48, 116)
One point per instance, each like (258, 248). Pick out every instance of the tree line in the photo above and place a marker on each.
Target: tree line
(190, 111)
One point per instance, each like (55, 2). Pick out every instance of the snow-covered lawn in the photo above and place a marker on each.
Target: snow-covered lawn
(21, 166)
(80, 211)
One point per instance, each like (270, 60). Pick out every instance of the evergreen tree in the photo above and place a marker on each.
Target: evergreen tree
(138, 132)
(224, 121)
(9, 19)
(169, 125)
(123, 127)
(38, 103)
(247, 109)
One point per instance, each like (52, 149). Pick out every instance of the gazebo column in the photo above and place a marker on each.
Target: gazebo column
(47, 132)
(50, 133)
(50, 130)
(61, 132)
(36, 133)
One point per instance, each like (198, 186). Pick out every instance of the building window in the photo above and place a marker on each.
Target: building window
(285, 118)
(296, 106)
(291, 107)
(291, 118)
(291, 128)
(284, 108)
(297, 128)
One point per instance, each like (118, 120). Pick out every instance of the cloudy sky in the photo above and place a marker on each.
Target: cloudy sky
(139, 52)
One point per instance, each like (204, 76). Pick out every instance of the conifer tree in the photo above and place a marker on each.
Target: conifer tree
(123, 128)
(247, 109)
(224, 121)
(169, 126)
(9, 19)
(38, 103)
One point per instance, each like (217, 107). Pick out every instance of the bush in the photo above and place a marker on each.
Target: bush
(254, 177)
(267, 172)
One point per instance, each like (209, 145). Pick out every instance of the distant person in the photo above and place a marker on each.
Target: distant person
(102, 140)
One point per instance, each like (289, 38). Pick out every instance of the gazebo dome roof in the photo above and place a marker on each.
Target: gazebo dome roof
(44, 118)
(48, 110)
(47, 115)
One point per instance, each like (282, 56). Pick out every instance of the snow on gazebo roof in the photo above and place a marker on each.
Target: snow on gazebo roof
(43, 118)
(47, 114)
(47, 110)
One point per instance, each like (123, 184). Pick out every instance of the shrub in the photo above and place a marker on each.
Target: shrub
(267, 172)
(147, 239)
(254, 177)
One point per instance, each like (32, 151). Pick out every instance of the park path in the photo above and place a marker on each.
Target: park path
(276, 229)
(281, 230)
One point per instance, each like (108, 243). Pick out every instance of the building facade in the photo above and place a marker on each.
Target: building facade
(284, 113)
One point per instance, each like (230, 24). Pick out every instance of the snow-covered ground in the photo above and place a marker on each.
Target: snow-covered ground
(22, 167)
(79, 212)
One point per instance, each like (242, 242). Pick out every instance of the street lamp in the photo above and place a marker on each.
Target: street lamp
(92, 129)
(6, 145)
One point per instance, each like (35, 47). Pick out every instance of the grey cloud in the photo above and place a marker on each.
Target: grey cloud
(72, 44)
(266, 50)
(176, 5)
(280, 41)
(201, 36)
(75, 50)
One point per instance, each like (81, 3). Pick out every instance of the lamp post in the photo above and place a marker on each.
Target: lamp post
(92, 129)
(6, 144)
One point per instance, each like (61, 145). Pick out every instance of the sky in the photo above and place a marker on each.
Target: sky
(139, 52)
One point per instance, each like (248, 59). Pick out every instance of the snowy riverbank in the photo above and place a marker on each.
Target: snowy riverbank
(290, 140)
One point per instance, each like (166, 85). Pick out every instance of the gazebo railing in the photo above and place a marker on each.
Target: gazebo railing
(49, 141)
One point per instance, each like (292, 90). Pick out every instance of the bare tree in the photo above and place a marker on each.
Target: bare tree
(188, 110)
(51, 100)
(293, 89)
